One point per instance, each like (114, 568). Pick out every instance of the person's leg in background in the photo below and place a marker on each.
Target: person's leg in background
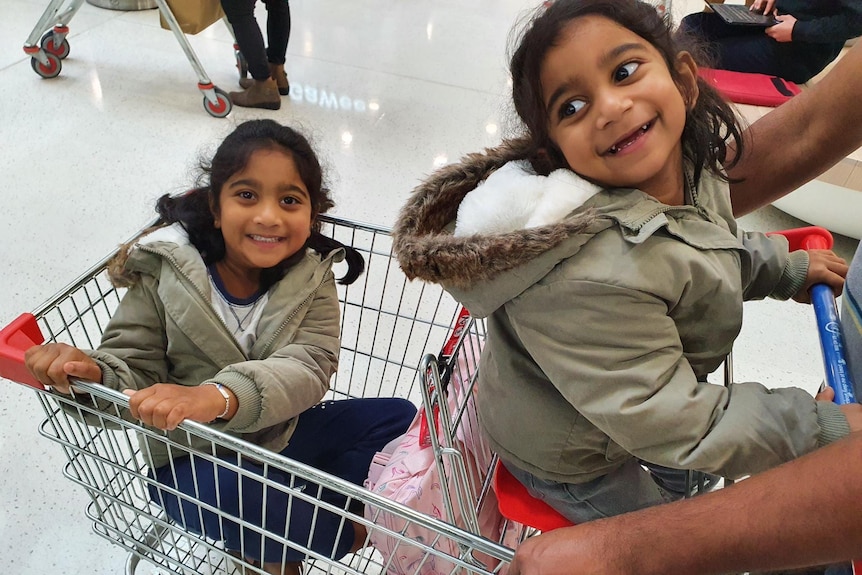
(262, 92)
(277, 37)
(737, 48)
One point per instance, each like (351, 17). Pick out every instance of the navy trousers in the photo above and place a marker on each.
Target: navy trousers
(339, 437)
(749, 49)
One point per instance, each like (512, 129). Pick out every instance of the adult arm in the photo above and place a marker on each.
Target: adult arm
(836, 27)
(800, 514)
(800, 139)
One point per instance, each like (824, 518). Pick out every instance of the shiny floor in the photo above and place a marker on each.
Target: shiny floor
(387, 89)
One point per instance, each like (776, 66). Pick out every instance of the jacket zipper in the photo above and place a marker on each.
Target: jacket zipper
(224, 329)
(292, 314)
(197, 290)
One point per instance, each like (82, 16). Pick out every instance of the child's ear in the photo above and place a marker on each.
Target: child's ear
(686, 69)
(214, 212)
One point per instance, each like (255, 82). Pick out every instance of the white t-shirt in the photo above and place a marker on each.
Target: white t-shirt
(241, 316)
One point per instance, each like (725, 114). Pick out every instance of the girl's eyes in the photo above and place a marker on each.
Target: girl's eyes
(625, 71)
(249, 196)
(571, 108)
(621, 74)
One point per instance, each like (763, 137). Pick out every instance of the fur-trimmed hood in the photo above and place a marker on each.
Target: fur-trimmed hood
(486, 263)
(173, 238)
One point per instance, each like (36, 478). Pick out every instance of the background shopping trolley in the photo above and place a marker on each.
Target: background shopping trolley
(48, 45)
(387, 324)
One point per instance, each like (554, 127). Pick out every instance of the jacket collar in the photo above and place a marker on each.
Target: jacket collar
(485, 264)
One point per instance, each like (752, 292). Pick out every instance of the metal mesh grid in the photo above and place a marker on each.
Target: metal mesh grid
(388, 324)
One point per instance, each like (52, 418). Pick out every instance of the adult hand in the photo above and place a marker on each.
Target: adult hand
(762, 6)
(54, 363)
(568, 551)
(166, 405)
(823, 267)
(783, 31)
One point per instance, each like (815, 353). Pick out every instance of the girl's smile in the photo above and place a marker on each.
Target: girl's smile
(626, 144)
(613, 108)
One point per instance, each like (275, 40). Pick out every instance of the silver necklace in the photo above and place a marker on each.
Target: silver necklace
(232, 307)
(241, 322)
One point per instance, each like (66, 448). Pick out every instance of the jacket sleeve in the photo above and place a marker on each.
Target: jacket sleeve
(133, 351)
(769, 269)
(831, 29)
(293, 378)
(627, 375)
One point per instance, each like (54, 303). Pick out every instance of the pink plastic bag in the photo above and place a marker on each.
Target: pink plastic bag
(406, 471)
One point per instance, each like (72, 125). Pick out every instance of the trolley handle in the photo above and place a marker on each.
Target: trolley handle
(826, 311)
(16, 338)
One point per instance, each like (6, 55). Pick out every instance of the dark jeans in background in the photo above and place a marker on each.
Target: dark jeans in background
(240, 14)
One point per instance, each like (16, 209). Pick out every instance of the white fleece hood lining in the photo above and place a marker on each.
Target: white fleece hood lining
(515, 198)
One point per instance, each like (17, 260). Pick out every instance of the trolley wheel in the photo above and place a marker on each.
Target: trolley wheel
(49, 70)
(241, 64)
(49, 44)
(221, 107)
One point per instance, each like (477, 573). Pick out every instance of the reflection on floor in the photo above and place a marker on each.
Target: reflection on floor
(387, 90)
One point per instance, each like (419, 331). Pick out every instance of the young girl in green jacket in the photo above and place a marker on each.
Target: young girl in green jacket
(602, 249)
(232, 317)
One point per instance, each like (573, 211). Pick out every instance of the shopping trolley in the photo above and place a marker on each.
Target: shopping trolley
(386, 324)
(48, 45)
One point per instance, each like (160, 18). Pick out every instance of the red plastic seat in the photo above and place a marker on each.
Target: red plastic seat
(516, 503)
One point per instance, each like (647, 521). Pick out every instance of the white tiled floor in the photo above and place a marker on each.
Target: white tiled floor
(388, 89)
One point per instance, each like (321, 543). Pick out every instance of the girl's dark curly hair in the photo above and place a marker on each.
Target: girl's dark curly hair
(194, 209)
(710, 124)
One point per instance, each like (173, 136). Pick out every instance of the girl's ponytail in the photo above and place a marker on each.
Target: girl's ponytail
(355, 262)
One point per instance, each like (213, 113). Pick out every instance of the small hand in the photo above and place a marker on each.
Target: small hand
(166, 405)
(823, 267)
(54, 363)
(783, 31)
(853, 413)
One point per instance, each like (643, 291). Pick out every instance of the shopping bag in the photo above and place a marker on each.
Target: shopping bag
(193, 15)
(406, 471)
(754, 89)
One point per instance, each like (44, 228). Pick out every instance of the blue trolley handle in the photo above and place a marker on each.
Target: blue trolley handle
(832, 344)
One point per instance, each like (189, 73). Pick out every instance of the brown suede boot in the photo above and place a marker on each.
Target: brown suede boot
(260, 94)
(277, 72)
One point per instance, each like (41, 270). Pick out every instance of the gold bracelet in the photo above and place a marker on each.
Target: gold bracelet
(224, 394)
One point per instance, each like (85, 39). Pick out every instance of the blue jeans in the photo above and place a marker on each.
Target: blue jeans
(338, 437)
(627, 488)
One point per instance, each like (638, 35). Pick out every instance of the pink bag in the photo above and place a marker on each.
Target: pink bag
(406, 471)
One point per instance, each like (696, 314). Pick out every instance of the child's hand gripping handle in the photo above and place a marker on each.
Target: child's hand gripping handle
(828, 325)
(16, 338)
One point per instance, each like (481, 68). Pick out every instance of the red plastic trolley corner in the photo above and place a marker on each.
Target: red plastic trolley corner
(16, 338)
(807, 238)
